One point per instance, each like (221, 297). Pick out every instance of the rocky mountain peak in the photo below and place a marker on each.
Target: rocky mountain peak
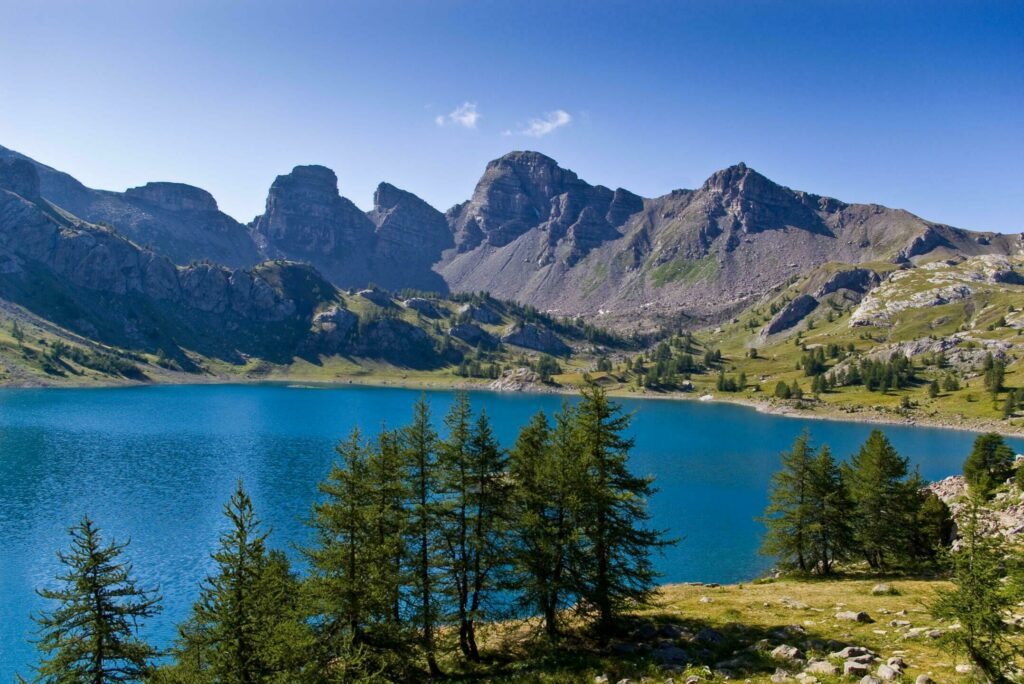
(20, 177)
(306, 216)
(524, 190)
(174, 196)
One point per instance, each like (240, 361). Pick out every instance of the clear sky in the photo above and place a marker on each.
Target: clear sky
(917, 105)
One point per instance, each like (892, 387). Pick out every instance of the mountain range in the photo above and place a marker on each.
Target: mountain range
(532, 232)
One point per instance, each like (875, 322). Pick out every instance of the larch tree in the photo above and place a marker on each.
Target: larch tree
(616, 573)
(789, 512)
(91, 635)
(419, 443)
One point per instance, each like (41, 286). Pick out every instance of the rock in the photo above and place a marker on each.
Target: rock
(410, 237)
(821, 667)
(786, 652)
(646, 631)
(174, 197)
(481, 314)
(671, 631)
(935, 633)
(473, 335)
(924, 679)
(887, 673)
(854, 669)
(884, 590)
(516, 380)
(671, 655)
(623, 648)
(423, 306)
(378, 297)
(624, 681)
(709, 636)
(852, 652)
(868, 679)
(964, 668)
(794, 604)
(897, 663)
(335, 325)
(706, 599)
(899, 623)
(854, 616)
(791, 314)
(530, 336)
(601, 679)
(859, 280)
(780, 676)
(20, 177)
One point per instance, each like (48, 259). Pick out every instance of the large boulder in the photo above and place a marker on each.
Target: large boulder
(533, 337)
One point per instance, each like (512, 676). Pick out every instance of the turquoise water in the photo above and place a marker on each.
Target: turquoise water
(155, 464)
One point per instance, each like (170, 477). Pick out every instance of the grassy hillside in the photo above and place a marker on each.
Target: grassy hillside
(923, 315)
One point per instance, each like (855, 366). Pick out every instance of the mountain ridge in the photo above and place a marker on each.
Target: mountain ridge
(535, 232)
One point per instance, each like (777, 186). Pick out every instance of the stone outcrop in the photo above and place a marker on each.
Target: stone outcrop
(174, 197)
(473, 335)
(791, 314)
(532, 337)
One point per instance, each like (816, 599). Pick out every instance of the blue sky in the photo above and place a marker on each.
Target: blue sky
(911, 104)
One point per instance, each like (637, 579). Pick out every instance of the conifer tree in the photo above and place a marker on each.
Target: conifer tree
(92, 634)
(546, 470)
(488, 470)
(981, 599)
(386, 553)
(830, 531)
(885, 501)
(419, 447)
(454, 467)
(246, 626)
(989, 464)
(788, 516)
(933, 528)
(616, 572)
(342, 599)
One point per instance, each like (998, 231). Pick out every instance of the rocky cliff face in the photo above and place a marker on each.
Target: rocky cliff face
(176, 220)
(536, 233)
(410, 238)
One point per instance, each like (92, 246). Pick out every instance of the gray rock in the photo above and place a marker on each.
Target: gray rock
(854, 669)
(791, 314)
(646, 631)
(671, 655)
(854, 616)
(532, 337)
(868, 679)
(821, 667)
(924, 679)
(786, 652)
(883, 590)
(481, 314)
(423, 306)
(473, 335)
(888, 673)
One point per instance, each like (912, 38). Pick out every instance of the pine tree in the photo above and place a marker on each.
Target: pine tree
(788, 515)
(454, 468)
(933, 529)
(489, 523)
(419, 447)
(831, 536)
(387, 518)
(981, 599)
(339, 563)
(617, 571)
(546, 470)
(885, 501)
(989, 464)
(245, 627)
(92, 635)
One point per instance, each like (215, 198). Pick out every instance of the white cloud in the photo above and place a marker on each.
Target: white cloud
(465, 115)
(540, 127)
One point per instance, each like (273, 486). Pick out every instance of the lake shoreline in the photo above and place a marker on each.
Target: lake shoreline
(821, 411)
